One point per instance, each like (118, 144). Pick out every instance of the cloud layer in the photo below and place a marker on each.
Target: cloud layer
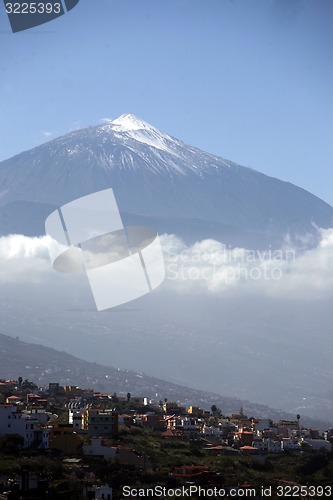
(211, 266)
(207, 266)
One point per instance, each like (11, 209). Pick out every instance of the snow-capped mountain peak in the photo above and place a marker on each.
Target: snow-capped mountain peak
(128, 121)
(156, 175)
(131, 127)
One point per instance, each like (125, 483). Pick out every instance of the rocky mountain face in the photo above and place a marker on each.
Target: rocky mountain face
(158, 180)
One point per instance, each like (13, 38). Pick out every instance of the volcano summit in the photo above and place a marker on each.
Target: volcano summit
(157, 180)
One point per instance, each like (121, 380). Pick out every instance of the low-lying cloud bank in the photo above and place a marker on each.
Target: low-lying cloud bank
(210, 265)
(207, 266)
(24, 259)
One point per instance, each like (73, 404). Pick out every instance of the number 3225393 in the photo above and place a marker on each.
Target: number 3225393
(33, 8)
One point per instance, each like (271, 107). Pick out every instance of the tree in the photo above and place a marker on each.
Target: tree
(28, 385)
(11, 443)
(216, 411)
(313, 463)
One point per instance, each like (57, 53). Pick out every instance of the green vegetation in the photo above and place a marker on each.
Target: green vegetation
(156, 457)
(162, 456)
(7, 464)
(10, 444)
(306, 467)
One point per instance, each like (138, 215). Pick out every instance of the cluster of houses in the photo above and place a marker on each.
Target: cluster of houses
(26, 410)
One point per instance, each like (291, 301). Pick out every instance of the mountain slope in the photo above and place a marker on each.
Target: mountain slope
(155, 175)
(43, 365)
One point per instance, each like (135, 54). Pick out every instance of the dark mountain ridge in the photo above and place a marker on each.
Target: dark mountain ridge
(43, 365)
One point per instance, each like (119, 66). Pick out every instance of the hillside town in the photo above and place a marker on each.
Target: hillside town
(84, 437)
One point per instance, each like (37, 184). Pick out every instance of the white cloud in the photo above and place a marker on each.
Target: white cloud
(105, 120)
(23, 259)
(47, 133)
(210, 266)
(205, 267)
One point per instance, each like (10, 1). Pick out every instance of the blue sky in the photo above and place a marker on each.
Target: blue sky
(248, 80)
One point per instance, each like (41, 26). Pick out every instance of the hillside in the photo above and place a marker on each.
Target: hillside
(43, 365)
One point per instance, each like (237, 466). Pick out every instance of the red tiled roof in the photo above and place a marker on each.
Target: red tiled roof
(168, 433)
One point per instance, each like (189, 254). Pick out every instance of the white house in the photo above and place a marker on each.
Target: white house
(210, 430)
(103, 492)
(13, 421)
(98, 449)
(268, 445)
(189, 424)
(75, 417)
(290, 444)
